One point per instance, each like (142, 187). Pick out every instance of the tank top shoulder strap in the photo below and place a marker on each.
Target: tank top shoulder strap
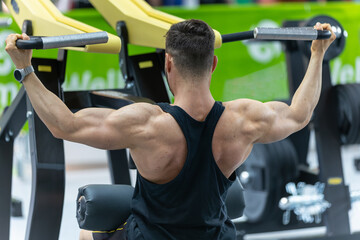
(178, 114)
(214, 115)
(216, 112)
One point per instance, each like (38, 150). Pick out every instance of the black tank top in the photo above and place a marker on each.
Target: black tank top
(192, 205)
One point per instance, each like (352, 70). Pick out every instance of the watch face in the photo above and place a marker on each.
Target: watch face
(17, 75)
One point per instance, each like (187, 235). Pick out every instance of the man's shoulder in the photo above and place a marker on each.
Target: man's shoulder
(240, 105)
(136, 113)
(142, 109)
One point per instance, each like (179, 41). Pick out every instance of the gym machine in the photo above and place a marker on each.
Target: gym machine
(47, 153)
(335, 123)
(35, 16)
(113, 12)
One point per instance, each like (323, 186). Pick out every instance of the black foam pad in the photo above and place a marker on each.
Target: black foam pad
(103, 207)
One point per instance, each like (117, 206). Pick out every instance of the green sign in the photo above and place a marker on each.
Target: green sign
(257, 69)
(246, 69)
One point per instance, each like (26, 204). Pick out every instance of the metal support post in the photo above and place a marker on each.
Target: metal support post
(47, 158)
(119, 167)
(330, 163)
(124, 54)
(11, 122)
(6, 153)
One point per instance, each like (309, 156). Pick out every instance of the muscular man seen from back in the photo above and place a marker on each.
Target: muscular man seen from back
(186, 153)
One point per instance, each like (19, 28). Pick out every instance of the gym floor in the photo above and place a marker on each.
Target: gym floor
(87, 165)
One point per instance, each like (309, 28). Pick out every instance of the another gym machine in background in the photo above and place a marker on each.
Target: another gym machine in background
(272, 170)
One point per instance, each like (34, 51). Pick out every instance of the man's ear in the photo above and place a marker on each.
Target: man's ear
(215, 61)
(168, 62)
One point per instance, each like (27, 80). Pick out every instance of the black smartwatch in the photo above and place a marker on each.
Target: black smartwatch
(20, 74)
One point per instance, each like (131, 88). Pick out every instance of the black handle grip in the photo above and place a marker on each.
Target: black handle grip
(232, 37)
(33, 43)
(323, 34)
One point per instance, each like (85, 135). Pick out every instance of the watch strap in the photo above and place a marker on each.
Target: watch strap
(28, 70)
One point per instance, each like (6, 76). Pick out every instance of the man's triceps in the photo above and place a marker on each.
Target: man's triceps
(280, 122)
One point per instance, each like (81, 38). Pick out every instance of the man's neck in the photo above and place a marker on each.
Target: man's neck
(195, 99)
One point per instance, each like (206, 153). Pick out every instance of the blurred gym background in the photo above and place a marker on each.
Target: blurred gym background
(245, 70)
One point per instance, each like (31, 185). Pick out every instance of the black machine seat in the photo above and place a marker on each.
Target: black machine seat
(104, 207)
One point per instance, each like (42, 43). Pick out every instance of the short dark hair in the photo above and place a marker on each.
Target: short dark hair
(191, 43)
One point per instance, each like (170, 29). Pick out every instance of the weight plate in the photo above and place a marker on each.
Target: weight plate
(269, 167)
(348, 112)
(336, 47)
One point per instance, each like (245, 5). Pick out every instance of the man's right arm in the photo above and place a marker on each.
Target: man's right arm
(97, 127)
(273, 121)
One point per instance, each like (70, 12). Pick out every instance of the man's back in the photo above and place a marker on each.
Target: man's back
(161, 156)
(190, 205)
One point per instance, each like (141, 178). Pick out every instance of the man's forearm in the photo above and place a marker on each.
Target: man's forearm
(51, 110)
(307, 95)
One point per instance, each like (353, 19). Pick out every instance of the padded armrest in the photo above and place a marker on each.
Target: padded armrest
(103, 207)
